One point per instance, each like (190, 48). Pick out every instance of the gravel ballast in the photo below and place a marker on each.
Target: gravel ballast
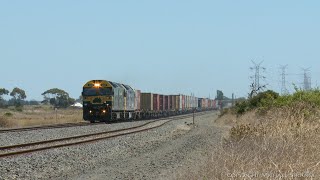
(158, 153)
(11, 138)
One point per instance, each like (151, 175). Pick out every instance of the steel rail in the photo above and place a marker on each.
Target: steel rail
(47, 127)
(85, 136)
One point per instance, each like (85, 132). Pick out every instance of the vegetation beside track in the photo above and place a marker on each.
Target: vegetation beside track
(270, 137)
(38, 115)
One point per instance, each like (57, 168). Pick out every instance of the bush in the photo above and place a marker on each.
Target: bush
(19, 109)
(262, 100)
(241, 131)
(241, 107)
(8, 114)
(268, 99)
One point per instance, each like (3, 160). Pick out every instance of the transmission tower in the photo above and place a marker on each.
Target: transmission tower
(306, 79)
(284, 89)
(256, 87)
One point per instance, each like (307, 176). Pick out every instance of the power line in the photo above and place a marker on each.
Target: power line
(284, 89)
(256, 87)
(306, 79)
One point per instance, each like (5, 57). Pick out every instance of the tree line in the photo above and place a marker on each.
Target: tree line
(55, 97)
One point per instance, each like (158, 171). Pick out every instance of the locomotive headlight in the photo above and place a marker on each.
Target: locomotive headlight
(104, 111)
(90, 111)
(97, 85)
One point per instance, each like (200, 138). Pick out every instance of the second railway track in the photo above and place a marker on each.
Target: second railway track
(19, 149)
(47, 127)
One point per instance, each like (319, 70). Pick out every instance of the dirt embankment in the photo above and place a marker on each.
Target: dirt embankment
(282, 143)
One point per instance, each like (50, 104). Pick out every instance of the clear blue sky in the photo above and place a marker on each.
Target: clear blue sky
(166, 46)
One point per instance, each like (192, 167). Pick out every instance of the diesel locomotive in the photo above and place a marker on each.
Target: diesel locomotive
(108, 101)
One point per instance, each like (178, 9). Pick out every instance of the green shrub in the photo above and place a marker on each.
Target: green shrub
(19, 109)
(269, 99)
(241, 107)
(8, 114)
(263, 100)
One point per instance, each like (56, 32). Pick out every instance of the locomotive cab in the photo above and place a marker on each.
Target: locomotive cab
(97, 100)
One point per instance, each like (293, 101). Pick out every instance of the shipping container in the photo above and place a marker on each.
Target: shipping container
(214, 104)
(161, 102)
(196, 102)
(206, 103)
(137, 105)
(200, 103)
(172, 102)
(203, 103)
(186, 102)
(146, 102)
(177, 103)
(166, 103)
(156, 102)
(183, 102)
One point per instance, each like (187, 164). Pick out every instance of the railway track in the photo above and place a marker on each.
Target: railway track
(55, 126)
(19, 149)
(48, 127)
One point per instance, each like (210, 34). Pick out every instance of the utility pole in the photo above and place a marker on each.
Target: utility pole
(306, 79)
(233, 103)
(193, 116)
(256, 86)
(284, 89)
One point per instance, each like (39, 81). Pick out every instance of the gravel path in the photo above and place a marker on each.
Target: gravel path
(162, 153)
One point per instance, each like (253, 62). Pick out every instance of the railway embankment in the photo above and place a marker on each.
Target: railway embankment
(269, 137)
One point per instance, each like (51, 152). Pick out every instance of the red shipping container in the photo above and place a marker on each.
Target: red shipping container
(161, 102)
(206, 103)
(214, 104)
(166, 102)
(172, 103)
(156, 102)
(203, 103)
(183, 102)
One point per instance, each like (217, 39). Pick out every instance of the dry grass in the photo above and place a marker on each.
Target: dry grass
(38, 115)
(282, 144)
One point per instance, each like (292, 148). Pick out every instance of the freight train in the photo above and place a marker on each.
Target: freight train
(110, 101)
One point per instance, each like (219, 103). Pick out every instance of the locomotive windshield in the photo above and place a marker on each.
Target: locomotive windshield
(97, 91)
